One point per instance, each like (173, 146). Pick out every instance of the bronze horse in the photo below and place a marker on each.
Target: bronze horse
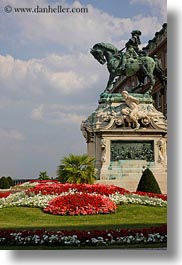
(143, 66)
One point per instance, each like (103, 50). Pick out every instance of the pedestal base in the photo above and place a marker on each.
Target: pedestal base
(121, 149)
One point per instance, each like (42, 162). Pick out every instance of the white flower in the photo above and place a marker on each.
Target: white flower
(137, 199)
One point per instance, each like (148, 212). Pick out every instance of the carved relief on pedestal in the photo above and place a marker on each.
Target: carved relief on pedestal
(132, 112)
(161, 144)
(103, 150)
(132, 150)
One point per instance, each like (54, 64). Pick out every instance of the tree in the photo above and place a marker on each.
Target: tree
(43, 175)
(148, 182)
(4, 184)
(10, 180)
(76, 169)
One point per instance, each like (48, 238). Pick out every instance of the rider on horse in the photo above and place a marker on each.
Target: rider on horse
(132, 49)
(129, 63)
(134, 41)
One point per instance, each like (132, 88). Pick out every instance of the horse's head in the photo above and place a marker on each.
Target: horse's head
(104, 52)
(98, 54)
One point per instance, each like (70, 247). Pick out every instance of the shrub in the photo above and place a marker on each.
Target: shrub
(148, 182)
(4, 184)
(11, 182)
(43, 175)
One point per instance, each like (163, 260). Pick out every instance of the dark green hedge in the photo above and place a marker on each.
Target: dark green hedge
(148, 182)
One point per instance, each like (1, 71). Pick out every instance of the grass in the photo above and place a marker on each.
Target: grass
(127, 216)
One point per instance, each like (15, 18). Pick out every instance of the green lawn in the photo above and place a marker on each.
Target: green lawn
(127, 216)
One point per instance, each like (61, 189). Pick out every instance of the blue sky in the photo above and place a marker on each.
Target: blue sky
(49, 82)
(116, 8)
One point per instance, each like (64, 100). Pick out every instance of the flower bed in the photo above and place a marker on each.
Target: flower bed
(80, 204)
(46, 188)
(137, 199)
(5, 194)
(22, 199)
(80, 199)
(59, 188)
(151, 195)
(84, 238)
(41, 194)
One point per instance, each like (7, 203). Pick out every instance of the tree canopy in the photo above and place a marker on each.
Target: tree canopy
(76, 169)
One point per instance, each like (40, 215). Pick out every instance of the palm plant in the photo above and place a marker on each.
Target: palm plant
(76, 169)
(43, 175)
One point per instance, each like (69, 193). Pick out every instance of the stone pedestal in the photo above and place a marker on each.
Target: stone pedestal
(124, 145)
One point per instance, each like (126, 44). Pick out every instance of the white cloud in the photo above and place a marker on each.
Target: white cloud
(144, 24)
(37, 113)
(58, 82)
(63, 74)
(58, 114)
(73, 73)
(66, 81)
(11, 135)
(157, 6)
(79, 31)
(58, 118)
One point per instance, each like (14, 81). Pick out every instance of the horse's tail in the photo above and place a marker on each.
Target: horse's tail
(158, 73)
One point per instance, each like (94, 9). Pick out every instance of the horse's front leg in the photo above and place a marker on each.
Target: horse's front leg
(140, 85)
(109, 83)
(149, 74)
(152, 83)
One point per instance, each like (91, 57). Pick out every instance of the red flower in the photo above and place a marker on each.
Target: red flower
(80, 204)
(4, 194)
(152, 195)
(45, 188)
(59, 188)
